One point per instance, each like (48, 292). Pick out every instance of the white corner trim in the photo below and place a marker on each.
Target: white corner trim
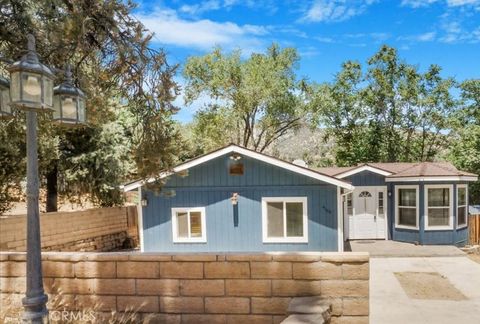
(140, 220)
(417, 208)
(340, 219)
(436, 178)
(176, 239)
(251, 154)
(450, 207)
(361, 169)
(466, 206)
(284, 239)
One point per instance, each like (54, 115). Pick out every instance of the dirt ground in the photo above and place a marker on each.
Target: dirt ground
(475, 257)
(428, 285)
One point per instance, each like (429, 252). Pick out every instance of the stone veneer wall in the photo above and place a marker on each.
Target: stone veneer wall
(200, 288)
(101, 229)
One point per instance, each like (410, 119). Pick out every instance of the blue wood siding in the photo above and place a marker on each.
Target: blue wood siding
(239, 229)
(450, 237)
(366, 178)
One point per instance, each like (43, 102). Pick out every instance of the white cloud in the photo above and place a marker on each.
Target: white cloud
(425, 37)
(455, 33)
(201, 7)
(335, 10)
(450, 3)
(202, 34)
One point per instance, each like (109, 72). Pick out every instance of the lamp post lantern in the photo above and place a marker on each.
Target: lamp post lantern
(31, 89)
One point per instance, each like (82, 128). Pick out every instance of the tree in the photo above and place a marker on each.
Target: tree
(115, 65)
(257, 99)
(465, 145)
(391, 113)
(339, 106)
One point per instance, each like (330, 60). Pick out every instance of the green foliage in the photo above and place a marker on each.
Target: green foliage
(465, 146)
(117, 68)
(257, 99)
(390, 113)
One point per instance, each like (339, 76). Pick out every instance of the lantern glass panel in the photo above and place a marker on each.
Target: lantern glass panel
(69, 106)
(15, 86)
(32, 87)
(5, 101)
(56, 107)
(48, 91)
(81, 110)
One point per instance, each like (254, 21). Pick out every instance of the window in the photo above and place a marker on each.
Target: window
(380, 203)
(462, 205)
(285, 219)
(438, 207)
(365, 194)
(349, 199)
(188, 225)
(407, 206)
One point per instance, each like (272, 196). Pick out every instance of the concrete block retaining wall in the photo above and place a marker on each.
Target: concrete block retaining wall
(199, 288)
(101, 229)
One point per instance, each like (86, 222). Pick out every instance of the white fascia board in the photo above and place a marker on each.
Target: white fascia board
(361, 169)
(251, 154)
(437, 178)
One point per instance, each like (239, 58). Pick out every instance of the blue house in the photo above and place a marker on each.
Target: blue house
(238, 200)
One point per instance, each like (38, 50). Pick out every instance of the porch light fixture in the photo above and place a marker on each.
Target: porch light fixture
(144, 202)
(31, 82)
(68, 102)
(235, 157)
(5, 109)
(234, 199)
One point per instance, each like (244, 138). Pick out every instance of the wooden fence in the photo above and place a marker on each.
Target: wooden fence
(474, 229)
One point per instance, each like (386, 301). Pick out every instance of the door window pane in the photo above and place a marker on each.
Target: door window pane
(380, 202)
(294, 219)
(275, 219)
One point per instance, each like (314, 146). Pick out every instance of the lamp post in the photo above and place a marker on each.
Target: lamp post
(31, 90)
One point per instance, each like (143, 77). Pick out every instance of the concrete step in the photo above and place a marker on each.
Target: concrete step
(305, 319)
(306, 310)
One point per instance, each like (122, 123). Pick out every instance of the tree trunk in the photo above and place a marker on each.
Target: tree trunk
(52, 190)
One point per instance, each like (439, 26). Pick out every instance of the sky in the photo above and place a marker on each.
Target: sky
(325, 32)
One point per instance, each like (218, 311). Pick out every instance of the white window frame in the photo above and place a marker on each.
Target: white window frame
(397, 207)
(459, 226)
(176, 239)
(450, 207)
(285, 239)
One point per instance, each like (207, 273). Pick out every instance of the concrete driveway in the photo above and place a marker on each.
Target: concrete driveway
(390, 304)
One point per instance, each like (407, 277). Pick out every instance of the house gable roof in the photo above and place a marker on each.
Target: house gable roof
(402, 171)
(232, 148)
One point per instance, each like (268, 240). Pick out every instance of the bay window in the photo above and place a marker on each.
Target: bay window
(285, 220)
(462, 206)
(406, 207)
(438, 207)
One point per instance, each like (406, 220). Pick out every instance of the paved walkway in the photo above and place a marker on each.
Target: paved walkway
(382, 248)
(389, 304)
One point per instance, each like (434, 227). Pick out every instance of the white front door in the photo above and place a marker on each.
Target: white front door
(367, 217)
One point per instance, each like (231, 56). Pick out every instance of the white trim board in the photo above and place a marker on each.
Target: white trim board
(436, 178)
(362, 169)
(252, 154)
